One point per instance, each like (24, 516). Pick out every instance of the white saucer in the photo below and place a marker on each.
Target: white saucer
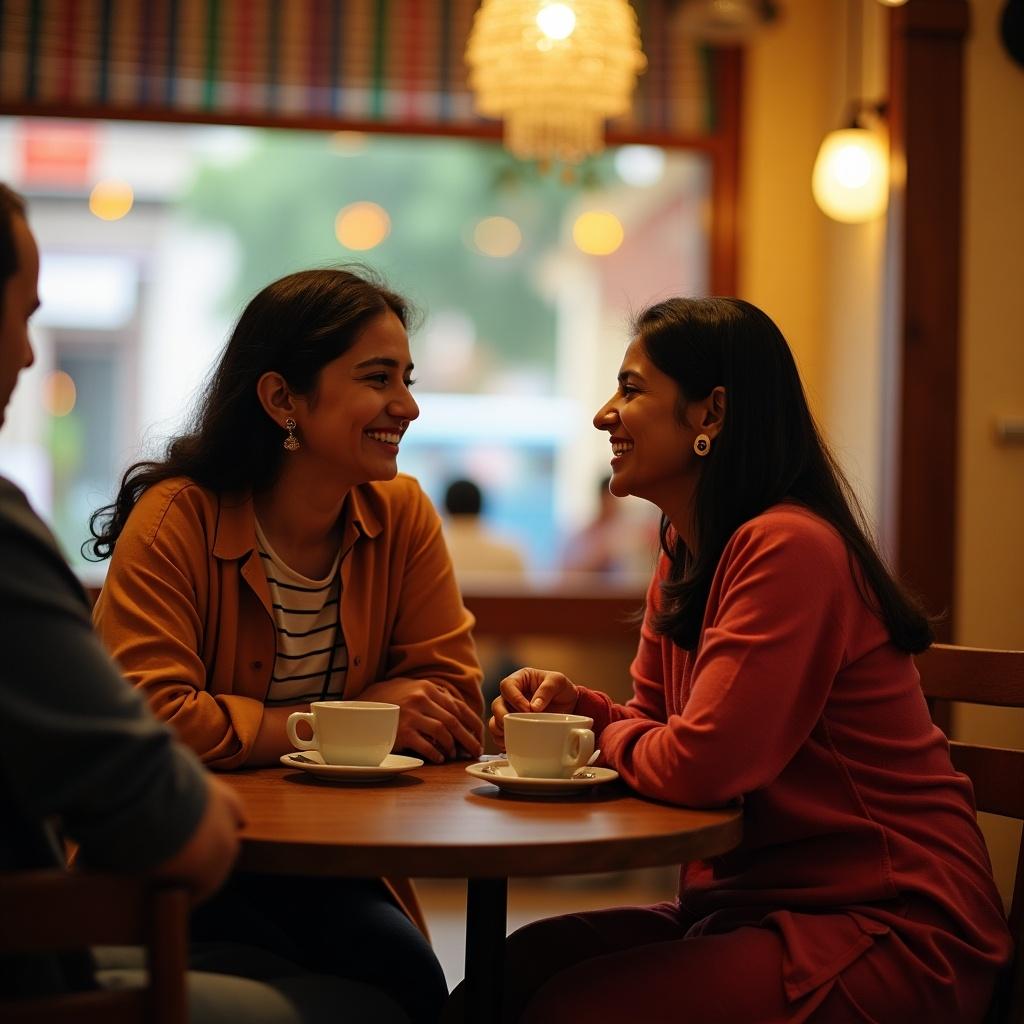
(311, 761)
(503, 775)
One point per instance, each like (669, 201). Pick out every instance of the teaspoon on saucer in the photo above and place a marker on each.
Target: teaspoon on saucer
(580, 773)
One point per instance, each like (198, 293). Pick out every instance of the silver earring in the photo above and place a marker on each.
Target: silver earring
(291, 442)
(702, 445)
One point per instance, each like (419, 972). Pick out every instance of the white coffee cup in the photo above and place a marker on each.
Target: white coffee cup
(544, 745)
(349, 732)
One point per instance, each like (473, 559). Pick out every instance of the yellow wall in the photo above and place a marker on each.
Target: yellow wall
(990, 553)
(781, 230)
(822, 282)
(990, 549)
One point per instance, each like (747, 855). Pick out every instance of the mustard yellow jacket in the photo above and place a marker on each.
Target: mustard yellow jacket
(186, 610)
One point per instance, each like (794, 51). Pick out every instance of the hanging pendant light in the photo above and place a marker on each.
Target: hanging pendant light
(554, 72)
(851, 175)
(850, 180)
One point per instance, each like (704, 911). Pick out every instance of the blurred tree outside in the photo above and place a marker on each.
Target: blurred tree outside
(281, 201)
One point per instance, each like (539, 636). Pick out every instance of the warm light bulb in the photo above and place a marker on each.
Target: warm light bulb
(556, 21)
(893, 3)
(851, 175)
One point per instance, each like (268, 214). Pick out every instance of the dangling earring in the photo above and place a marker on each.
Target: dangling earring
(291, 442)
(701, 445)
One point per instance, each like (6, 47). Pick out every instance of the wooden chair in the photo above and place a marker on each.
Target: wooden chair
(996, 678)
(57, 911)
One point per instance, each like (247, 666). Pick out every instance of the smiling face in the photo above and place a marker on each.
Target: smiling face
(353, 421)
(20, 300)
(652, 431)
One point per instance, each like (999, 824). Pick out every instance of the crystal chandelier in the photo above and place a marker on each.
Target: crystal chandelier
(554, 72)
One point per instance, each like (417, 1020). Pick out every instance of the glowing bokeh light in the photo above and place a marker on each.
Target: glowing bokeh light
(598, 233)
(497, 236)
(347, 143)
(111, 199)
(640, 166)
(362, 226)
(556, 21)
(59, 393)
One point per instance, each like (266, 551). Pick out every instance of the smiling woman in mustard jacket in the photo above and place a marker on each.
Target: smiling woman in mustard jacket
(187, 611)
(275, 557)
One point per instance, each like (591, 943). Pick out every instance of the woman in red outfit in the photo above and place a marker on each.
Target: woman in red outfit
(775, 667)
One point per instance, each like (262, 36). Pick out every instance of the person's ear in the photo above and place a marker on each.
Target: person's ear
(714, 412)
(275, 397)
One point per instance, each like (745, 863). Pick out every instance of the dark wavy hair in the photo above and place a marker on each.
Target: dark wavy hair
(11, 206)
(768, 450)
(294, 326)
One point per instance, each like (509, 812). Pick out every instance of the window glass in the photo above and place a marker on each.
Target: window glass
(154, 236)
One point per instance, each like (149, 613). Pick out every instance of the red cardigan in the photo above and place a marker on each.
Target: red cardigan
(796, 702)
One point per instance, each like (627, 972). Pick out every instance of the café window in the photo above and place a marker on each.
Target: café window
(153, 237)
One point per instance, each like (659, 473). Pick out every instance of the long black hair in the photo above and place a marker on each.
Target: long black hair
(768, 450)
(294, 326)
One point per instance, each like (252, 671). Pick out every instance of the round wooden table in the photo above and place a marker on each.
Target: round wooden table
(440, 822)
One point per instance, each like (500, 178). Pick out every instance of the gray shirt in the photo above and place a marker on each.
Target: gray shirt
(80, 753)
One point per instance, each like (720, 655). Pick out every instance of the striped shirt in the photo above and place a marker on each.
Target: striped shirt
(311, 660)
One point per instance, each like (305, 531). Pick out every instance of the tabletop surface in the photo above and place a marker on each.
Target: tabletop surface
(440, 822)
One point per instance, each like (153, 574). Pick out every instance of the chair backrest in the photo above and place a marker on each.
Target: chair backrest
(52, 911)
(996, 678)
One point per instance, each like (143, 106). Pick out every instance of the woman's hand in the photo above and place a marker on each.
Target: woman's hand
(432, 722)
(531, 689)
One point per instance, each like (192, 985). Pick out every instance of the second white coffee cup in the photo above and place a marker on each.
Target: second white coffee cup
(545, 745)
(349, 732)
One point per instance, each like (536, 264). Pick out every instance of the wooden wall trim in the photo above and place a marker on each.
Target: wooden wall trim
(607, 616)
(926, 122)
(725, 175)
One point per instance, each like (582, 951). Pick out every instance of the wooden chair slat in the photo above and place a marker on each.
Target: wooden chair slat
(979, 676)
(997, 775)
(79, 1008)
(56, 911)
(93, 909)
(973, 675)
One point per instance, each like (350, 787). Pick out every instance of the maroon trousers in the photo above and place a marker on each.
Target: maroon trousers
(633, 963)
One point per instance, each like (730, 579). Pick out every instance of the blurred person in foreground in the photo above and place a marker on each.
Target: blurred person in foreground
(82, 757)
(275, 557)
(775, 668)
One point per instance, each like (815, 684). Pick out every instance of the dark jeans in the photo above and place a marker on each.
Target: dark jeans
(350, 928)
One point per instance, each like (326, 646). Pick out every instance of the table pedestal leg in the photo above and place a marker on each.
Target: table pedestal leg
(487, 900)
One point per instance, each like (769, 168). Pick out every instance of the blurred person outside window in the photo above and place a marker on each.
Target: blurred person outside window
(477, 552)
(615, 545)
(480, 556)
